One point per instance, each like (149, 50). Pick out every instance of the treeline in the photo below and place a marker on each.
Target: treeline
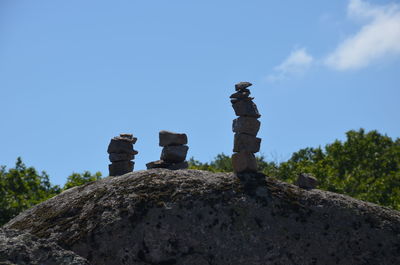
(22, 187)
(365, 166)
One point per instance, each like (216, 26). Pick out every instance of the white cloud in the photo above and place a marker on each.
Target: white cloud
(378, 38)
(296, 63)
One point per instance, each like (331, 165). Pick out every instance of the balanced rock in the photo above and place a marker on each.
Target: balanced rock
(246, 143)
(246, 108)
(247, 125)
(306, 181)
(168, 138)
(120, 145)
(242, 85)
(244, 162)
(241, 94)
(114, 157)
(120, 167)
(174, 153)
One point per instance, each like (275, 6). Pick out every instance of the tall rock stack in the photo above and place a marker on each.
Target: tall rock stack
(245, 128)
(121, 153)
(174, 151)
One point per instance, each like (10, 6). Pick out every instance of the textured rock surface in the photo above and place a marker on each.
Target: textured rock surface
(24, 249)
(195, 217)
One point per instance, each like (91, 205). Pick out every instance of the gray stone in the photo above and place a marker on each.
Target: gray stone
(120, 168)
(306, 181)
(114, 157)
(242, 85)
(246, 143)
(163, 164)
(120, 146)
(168, 138)
(244, 162)
(174, 154)
(247, 125)
(21, 248)
(246, 108)
(196, 217)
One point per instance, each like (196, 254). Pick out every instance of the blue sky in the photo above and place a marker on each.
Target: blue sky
(73, 74)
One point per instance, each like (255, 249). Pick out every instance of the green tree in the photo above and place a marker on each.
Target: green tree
(77, 179)
(22, 187)
(365, 166)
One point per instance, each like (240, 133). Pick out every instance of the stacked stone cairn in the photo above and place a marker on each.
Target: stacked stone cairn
(121, 153)
(245, 127)
(174, 151)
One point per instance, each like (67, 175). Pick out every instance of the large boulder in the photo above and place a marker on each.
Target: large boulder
(161, 216)
(21, 248)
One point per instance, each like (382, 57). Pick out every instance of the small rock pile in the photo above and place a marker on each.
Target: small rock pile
(174, 151)
(245, 128)
(121, 153)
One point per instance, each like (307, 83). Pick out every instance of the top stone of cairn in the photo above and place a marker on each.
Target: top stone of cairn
(168, 138)
(242, 85)
(127, 137)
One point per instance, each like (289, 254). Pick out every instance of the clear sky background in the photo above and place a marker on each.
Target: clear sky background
(74, 74)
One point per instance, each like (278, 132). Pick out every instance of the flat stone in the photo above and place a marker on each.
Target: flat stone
(120, 146)
(174, 154)
(120, 168)
(240, 95)
(247, 125)
(114, 157)
(163, 164)
(126, 137)
(246, 143)
(168, 138)
(244, 162)
(242, 85)
(306, 181)
(246, 108)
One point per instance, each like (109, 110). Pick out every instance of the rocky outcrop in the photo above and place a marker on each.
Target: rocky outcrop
(164, 217)
(21, 248)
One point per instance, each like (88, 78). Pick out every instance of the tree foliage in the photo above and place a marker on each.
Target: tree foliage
(77, 179)
(22, 187)
(365, 166)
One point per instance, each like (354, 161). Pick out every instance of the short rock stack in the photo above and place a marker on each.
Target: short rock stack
(121, 153)
(174, 151)
(245, 128)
